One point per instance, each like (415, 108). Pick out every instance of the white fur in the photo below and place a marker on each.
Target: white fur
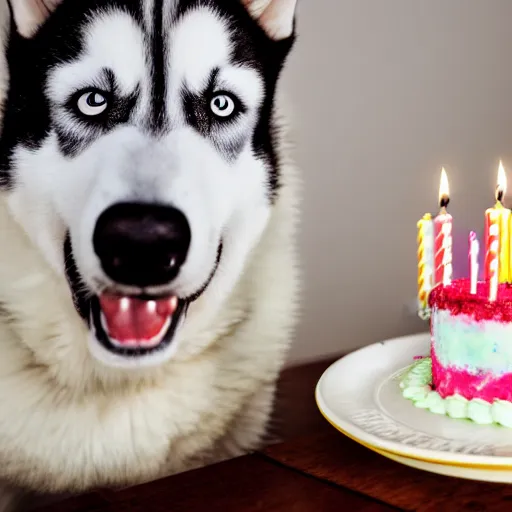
(203, 34)
(70, 422)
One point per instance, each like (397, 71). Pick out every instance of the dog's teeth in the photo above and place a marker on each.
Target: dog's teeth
(151, 306)
(167, 307)
(124, 304)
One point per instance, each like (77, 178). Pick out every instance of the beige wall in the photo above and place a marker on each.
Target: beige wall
(385, 92)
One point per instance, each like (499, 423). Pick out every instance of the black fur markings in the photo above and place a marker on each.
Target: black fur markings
(89, 128)
(81, 298)
(199, 115)
(265, 133)
(159, 74)
(196, 105)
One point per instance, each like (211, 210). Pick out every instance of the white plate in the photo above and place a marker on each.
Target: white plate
(360, 396)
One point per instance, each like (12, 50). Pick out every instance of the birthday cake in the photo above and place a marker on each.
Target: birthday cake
(468, 373)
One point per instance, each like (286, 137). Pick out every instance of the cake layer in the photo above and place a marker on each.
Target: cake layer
(449, 380)
(472, 342)
(480, 346)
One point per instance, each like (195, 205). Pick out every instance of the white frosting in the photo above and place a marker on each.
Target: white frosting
(416, 385)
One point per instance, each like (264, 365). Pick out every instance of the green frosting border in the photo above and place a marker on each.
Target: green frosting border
(416, 385)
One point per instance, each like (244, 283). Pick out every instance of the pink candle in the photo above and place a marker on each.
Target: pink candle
(443, 237)
(474, 248)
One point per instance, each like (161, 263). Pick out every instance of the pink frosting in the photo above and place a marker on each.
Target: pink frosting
(449, 381)
(457, 298)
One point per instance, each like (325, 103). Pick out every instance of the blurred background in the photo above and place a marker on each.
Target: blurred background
(383, 95)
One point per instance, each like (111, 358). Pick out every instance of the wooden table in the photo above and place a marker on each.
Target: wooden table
(313, 469)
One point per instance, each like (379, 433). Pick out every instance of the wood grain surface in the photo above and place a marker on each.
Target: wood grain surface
(248, 484)
(334, 458)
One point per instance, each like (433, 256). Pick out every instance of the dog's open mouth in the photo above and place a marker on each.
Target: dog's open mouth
(124, 328)
(135, 325)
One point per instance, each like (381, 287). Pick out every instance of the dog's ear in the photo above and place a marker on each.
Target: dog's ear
(276, 17)
(29, 15)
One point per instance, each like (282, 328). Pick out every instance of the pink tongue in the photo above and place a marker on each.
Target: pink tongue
(135, 321)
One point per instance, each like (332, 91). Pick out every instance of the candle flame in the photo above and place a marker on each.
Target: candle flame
(501, 189)
(444, 189)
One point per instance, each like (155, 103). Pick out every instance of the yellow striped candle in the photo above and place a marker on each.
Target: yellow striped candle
(425, 263)
(504, 274)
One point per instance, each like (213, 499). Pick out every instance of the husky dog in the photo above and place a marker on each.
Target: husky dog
(148, 274)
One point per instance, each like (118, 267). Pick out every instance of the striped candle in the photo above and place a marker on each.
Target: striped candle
(501, 218)
(492, 255)
(425, 264)
(443, 237)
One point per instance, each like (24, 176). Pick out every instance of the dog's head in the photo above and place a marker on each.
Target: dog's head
(138, 154)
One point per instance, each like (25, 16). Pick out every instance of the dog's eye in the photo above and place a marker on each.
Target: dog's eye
(92, 103)
(223, 105)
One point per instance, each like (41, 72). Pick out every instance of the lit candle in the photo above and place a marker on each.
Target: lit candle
(425, 263)
(501, 218)
(474, 248)
(443, 236)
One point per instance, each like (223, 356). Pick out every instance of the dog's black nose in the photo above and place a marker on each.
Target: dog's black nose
(141, 244)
